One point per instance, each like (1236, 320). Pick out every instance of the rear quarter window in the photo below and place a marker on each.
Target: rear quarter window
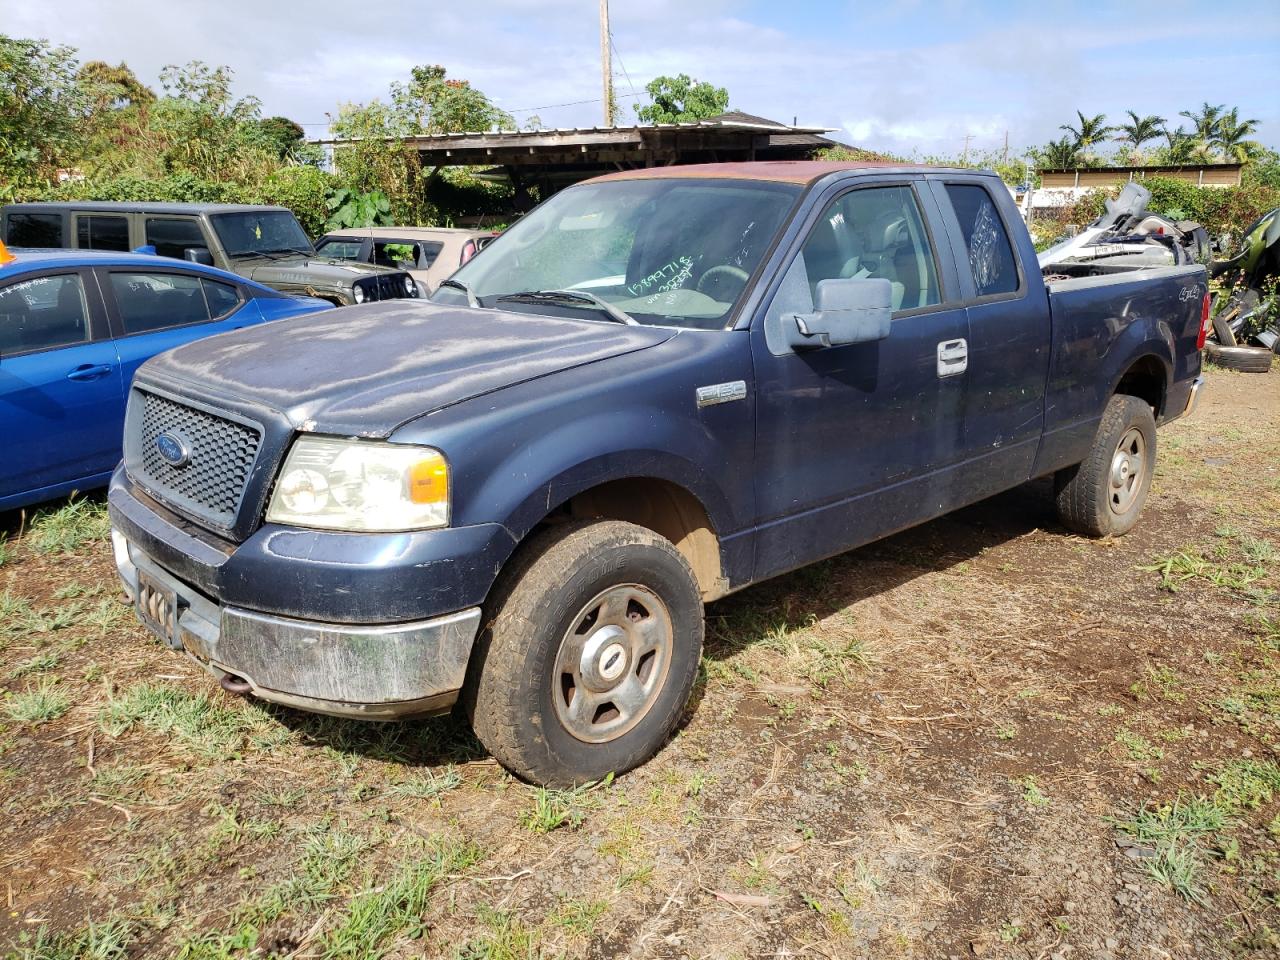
(991, 259)
(33, 229)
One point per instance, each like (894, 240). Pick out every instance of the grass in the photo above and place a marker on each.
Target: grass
(429, 786)
(191, 720)
(69, 527)
(1246, 784)
(397, 907)
(1174, 832)
(505, 938)
(98, 941)
(1032, 795)
(38, 704)
(553, 809)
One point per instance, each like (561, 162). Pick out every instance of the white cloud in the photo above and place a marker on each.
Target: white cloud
(919, 75)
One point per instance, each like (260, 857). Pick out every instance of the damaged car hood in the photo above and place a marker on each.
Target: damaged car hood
(309, 270)
(363, 371)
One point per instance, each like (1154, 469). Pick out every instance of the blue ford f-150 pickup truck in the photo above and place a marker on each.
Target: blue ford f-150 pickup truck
(659, 387)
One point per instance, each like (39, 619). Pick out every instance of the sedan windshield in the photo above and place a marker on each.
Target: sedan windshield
(256, 233)
(666, 251)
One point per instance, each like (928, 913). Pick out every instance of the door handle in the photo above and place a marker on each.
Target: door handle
(89, 371)
(953, 357)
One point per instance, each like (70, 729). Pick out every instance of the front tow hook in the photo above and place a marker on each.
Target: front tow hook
(233, 684)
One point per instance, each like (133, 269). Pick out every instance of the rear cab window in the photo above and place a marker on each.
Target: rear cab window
(24, 229)
(991, 259)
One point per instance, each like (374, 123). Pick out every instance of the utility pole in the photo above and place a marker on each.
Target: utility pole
(964, 154)
(606, 67)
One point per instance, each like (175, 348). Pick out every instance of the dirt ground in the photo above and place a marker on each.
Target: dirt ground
(984, 737)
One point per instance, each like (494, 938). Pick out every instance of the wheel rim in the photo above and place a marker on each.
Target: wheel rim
(612, 663)
(1128, 470)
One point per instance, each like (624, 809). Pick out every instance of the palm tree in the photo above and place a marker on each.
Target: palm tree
(1059, 154)
(1091, 130)
(1205, 121)
(1230, 137)
(1138, 131)
(1182, 147)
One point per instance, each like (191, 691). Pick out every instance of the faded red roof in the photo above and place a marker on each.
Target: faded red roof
(787, 171)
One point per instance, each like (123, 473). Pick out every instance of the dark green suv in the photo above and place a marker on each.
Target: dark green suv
(266, 244)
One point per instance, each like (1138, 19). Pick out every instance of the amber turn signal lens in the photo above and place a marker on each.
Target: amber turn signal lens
(429, 481)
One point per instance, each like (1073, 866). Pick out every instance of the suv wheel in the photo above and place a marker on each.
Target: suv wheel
(590, 650)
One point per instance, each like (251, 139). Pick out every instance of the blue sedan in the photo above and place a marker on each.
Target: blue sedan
(74, 326)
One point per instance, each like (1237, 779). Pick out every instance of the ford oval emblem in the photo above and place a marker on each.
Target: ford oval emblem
(173, 449)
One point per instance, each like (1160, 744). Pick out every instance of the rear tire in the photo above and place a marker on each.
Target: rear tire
(589, 653)
(1103, 495)
(1244, 359)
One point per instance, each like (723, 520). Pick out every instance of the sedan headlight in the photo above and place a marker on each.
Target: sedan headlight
(357, 292)
(361, 485)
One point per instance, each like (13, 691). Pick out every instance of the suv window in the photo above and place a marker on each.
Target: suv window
(995, 271)
(172, 237)
(156, 301)
(42, 313)
(101, 233)
(874, 232)
(34, 230)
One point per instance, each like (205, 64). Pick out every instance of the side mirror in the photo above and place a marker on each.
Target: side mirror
(198, 255)
(848, 311)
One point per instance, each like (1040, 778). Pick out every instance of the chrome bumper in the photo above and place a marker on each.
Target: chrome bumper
(372, 672)
(1193, 400)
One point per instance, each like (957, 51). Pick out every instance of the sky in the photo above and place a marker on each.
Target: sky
(910, 76)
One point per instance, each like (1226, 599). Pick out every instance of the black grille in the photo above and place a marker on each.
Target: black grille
(221, 454)
(384, 287)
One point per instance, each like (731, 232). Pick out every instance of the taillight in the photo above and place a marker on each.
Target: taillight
(468, 251)
(1204, 322)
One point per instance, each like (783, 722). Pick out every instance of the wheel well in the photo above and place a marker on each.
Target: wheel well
(669, 511)
(1145, 379)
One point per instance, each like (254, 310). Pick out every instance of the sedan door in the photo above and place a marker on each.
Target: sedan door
(61, 400)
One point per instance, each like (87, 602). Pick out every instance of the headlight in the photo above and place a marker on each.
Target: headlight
(361, 485)
(410, 287)
(357, 291)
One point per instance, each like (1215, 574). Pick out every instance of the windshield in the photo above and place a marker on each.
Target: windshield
(665, 251)
(259, 232)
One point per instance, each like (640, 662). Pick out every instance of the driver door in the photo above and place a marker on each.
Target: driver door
(855, 442)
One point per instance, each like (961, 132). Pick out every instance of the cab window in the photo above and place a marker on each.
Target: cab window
(172, 237)
(991, 260)
(94, 232)
(157, 301)
(43, 313)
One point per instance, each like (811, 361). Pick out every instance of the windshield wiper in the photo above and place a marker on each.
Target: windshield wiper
(472, 300)
(571, 296)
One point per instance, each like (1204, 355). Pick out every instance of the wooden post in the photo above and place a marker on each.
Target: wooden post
(606, 68)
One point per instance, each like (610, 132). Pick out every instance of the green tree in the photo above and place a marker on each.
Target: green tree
(42, 110)
(432, 103)
(1204, 121)
(283, 135)
(1062, 154)
(1138, 131)
(681, 99)
(1231, 137)
(1180, 148)
(1091, 131)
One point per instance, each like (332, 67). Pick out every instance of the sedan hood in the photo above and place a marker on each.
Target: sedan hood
(301, 271)
(363, 371)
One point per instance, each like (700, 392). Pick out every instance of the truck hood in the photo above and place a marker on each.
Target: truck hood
(364, 371)
(308, 271)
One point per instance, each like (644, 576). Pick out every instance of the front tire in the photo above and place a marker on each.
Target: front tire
(589, 653)
(1103, 495)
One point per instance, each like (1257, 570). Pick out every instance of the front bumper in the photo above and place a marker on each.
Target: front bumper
(366, 671)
